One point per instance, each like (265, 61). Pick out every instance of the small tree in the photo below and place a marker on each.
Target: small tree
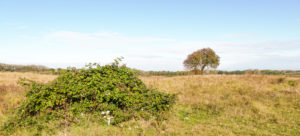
(201, 59)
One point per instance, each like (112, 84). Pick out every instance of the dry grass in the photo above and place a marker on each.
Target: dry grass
(206, 105)
(232, 105)
(11, 94)
(13, 77)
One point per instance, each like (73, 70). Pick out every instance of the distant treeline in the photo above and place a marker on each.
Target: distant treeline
(220, 72)
(46, 70)
(29, 68)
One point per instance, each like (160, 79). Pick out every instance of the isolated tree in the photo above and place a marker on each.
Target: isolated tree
(201, 59)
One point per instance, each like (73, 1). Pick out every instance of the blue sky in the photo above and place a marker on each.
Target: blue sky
(150, 34)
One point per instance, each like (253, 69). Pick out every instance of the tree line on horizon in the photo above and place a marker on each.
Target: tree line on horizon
(221, 72)
(203, 61)
(57, 71)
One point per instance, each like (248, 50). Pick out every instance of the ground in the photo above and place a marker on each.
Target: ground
(206, 105)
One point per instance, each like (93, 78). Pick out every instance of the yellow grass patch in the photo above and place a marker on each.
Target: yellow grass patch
(206, 105)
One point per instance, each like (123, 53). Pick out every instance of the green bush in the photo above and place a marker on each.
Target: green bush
(104, 91)
(292, 83)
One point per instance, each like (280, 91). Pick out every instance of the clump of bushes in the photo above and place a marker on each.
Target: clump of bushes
(292, 83)
(111, 92)
(279, 80)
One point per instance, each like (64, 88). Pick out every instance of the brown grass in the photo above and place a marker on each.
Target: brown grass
(231, 104)
(206, 105)
(13, 77)
(11, 94)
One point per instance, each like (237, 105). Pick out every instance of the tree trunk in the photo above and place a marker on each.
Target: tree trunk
(202, 69)
(195, 71)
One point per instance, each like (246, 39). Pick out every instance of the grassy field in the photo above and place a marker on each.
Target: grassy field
(206, 105)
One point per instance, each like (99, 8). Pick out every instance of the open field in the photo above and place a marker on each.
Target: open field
(206, 105)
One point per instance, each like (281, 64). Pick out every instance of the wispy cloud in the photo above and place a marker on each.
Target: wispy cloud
(67, 48)
(17, 26)
(106, 37)
(22, 27)
(240, 35)
(106, 34)
(69, 35)
(244, 55)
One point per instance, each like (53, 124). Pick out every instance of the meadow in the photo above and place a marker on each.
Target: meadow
(205, 105)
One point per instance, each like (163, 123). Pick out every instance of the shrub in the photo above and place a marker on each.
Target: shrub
(292, 83)
(280, 80)
(104, 91)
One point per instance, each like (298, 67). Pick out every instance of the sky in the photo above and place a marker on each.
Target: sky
(151, 34)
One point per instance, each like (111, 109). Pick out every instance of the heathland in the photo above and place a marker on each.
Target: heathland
(205, 105)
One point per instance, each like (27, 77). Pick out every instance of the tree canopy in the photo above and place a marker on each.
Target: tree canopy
(201, 59)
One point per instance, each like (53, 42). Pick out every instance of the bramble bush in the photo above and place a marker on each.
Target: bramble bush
(111, 89)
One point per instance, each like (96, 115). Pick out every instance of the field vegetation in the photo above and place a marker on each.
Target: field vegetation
(206, 105)
(58, 71)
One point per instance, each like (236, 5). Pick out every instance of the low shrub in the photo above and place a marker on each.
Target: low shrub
(111, 92)
(279, 80)
(292, 83)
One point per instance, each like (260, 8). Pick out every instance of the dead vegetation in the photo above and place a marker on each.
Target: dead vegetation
(206, 105)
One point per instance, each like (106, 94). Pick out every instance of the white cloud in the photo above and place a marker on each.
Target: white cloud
(106, 34)
(17, 26)
(22, 27)
(239, 35)
(103, 37)
(67, 48)
(69, 35)
(254, 55)
(234, 55)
